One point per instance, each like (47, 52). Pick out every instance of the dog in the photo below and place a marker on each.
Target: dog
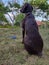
(32, 40)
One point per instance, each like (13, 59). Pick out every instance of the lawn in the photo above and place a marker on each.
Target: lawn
(12, 51)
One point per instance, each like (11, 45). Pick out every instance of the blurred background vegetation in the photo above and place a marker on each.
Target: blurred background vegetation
(37, 4)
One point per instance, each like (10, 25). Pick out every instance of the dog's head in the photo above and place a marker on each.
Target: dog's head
(26, 8)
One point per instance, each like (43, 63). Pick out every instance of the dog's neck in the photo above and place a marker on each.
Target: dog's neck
(28, 13)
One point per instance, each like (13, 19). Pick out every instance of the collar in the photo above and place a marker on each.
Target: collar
(28, 13)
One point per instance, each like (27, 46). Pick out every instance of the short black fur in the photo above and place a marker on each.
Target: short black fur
(31, 38)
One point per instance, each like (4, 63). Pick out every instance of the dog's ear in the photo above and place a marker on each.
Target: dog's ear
(28, 5)
(28, 8)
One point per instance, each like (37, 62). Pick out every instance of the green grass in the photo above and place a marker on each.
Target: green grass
(12, 51)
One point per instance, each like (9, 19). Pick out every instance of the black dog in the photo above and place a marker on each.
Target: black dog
(32, 40)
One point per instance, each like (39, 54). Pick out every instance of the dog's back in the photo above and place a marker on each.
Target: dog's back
(30, 23)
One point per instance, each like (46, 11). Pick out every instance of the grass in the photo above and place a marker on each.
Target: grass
(12, 51)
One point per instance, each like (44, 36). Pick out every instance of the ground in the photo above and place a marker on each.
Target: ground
(12, 51)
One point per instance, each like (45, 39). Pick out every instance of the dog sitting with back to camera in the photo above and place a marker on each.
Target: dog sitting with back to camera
(32, 40)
